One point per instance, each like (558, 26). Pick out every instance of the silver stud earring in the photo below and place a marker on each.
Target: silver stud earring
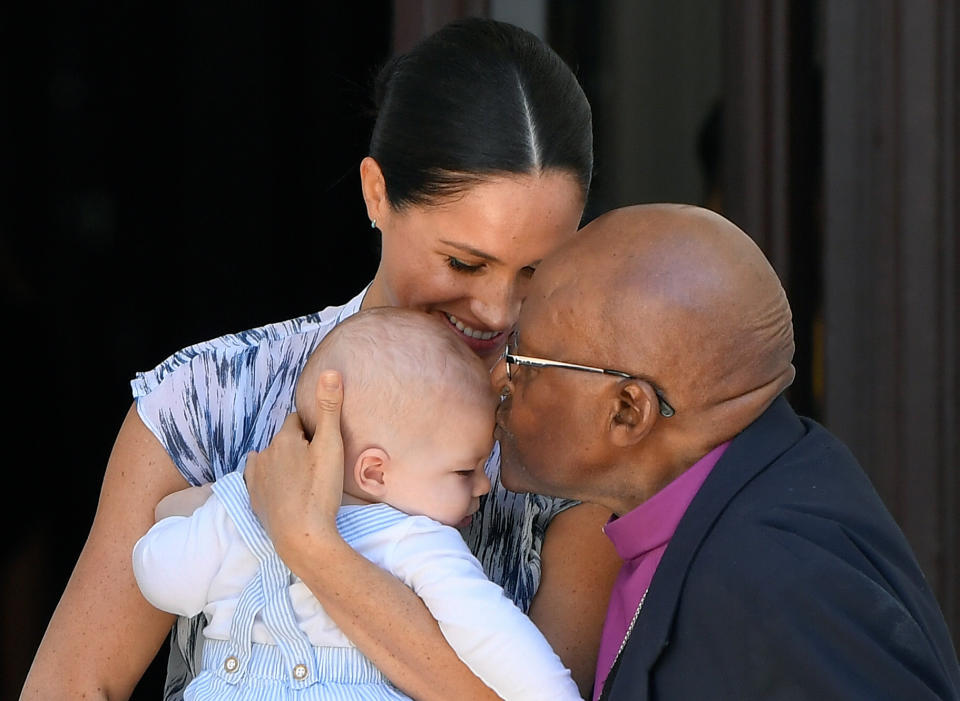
(373, 223)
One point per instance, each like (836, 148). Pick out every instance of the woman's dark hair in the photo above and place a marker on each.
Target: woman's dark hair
(477, 98)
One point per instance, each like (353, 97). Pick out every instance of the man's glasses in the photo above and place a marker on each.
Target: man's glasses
(511, 358)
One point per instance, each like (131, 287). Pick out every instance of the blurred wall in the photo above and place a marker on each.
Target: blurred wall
(169, 173)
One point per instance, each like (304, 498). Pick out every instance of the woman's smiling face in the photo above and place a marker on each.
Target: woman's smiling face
(469, 258)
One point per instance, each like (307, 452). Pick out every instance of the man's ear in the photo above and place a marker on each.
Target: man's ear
(369, 472)
(634, 411)
(374, 189)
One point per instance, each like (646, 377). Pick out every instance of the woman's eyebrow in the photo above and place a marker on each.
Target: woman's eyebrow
(472, 251)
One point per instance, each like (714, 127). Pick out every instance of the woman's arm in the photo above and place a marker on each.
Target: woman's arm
(295, 489)
(579, 566)
(103, 633)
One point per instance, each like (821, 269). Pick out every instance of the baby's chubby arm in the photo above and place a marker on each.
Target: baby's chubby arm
(179, 556)
(183, 502)
(489, 633)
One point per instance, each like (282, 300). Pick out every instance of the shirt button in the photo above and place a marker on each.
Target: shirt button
(231, 664)
(300, 672)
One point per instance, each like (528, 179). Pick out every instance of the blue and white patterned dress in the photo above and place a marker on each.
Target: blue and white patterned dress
(213, 402)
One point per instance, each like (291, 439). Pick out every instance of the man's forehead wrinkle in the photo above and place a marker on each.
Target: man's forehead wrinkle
(564, 313)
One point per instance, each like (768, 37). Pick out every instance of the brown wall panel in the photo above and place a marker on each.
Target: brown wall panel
(891, 284)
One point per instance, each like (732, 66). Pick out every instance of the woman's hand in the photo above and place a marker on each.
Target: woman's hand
(296, 485)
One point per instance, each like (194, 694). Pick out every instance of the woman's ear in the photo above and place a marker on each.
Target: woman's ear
(369, 472)
(634, 411)
(374, 189)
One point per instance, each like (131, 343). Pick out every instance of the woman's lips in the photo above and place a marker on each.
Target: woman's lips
(480, 342)
(468, 330)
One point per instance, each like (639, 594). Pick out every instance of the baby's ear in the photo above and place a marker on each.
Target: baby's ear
(369, 471)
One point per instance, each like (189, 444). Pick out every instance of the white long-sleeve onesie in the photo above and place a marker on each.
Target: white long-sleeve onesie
(186, 565)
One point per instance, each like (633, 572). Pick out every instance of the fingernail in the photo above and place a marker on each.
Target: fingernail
(330, 380)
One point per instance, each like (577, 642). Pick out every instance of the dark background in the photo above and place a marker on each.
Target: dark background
(170, 173)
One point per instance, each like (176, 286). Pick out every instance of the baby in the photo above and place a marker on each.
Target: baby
(417, 426)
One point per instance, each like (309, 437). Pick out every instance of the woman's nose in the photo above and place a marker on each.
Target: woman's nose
(497, 304)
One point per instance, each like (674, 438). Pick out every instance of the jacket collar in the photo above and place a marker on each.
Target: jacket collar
(748, 455)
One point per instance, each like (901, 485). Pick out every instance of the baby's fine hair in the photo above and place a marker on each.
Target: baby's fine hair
(396, 365)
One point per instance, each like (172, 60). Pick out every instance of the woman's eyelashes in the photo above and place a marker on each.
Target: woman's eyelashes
(460, 266)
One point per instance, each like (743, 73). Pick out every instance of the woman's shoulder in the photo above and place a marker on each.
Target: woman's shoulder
(273, 339)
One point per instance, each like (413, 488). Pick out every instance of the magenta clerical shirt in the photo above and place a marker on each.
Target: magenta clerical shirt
(640, 537)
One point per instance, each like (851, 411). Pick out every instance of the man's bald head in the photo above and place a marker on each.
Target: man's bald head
(686, 296)
(675, 296)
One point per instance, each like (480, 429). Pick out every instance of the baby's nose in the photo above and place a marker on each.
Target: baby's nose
(481, 484)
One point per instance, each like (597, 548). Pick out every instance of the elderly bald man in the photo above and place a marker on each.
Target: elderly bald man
(759, 562)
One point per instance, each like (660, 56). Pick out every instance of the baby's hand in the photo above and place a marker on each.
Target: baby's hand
(183, 503)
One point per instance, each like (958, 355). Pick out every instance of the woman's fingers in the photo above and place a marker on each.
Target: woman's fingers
(250, 475)
(326, 447)
(329, 398)
(273, 474)
(296, 486)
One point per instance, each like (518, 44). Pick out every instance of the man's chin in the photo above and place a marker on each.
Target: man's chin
(514, 472)
(513, 476)
(509, 482)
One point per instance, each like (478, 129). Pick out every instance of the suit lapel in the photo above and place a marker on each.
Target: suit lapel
(749, 453)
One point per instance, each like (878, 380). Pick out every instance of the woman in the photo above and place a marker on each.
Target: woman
(480, 162)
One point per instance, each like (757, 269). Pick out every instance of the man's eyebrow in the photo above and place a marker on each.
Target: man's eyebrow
(472, 251)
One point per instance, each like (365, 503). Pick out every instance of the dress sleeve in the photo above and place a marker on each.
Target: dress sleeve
(199, 412)
(487, 631)
(178, 558)
(210, 408)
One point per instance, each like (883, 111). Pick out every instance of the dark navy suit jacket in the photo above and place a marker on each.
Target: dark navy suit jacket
(787, 578)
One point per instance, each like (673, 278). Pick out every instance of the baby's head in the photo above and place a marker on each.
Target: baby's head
(418, 412)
